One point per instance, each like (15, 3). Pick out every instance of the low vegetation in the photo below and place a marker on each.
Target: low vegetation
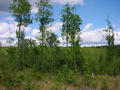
(57, 71)
(47, 66)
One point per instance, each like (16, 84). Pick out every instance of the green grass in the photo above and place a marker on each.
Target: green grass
(29, 81)
(57, 72)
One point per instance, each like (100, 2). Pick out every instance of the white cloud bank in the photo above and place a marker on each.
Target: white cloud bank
(35, 33)
(92, 37)
(61, 2)
(8, 29)
(56, 27)
(96, 37)
(88, 35)
(72, 2)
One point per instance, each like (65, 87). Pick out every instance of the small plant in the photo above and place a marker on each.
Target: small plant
(28, 83)
(57, 86)
(66, 75)
(94, 84)
(28, 79)
(116, 84)
(104, 85)
(18, 79)
(87, 80)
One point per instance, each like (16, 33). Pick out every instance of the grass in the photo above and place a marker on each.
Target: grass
(65, 78)
(27, 80)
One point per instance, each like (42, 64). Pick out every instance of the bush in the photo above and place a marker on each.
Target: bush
(66, 75)
(104, 85)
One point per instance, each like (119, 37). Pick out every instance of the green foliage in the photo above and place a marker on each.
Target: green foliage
(71, 31)
(116, 83)
(87, 79)
(109, 33)
(51, 39)
(66, 16)
(21, 10)
(28, 80)
(18, 79)
(23, 64)
(104, 85)
(65, 75)
(44, 17)
(92, 63)
(0, 44)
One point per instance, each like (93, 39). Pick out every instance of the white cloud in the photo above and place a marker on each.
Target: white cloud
(117, 37)
(90, 36)
(62, 2)
(7, 29)
(35, 32)
(28, 29)
(10, 29)
(88, 27)
(9, 19)
(3, 27)
(62, 41)
(96, 37)
(28, 37)
(5, 43)
(55, 28)
(93, 36)
(34, 9)
(72, 2)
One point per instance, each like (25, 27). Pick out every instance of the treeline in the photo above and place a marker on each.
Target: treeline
(102, 60)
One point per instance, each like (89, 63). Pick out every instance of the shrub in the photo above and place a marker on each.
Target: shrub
(66, 75)
(104, 85)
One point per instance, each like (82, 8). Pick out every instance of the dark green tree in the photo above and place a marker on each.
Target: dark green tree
(0, 44)
(66, 15)
(74, 34)
(30, 43)
(21, 10)
(44, 17)
(51, 43)
(51, 39)
(71, 29)
(109, 33)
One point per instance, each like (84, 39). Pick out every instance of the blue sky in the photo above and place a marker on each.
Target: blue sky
(92, 12)
(95, 12)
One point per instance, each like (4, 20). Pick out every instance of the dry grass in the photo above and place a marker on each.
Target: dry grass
(50, 84)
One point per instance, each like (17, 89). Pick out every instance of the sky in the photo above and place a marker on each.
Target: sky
(92, 12)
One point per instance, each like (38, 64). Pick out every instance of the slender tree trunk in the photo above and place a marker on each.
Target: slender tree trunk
(19, 47)
(19, 36)
(23, 49)
(74, 56)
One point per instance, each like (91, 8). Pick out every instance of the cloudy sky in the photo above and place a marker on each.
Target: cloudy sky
(92, 12)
